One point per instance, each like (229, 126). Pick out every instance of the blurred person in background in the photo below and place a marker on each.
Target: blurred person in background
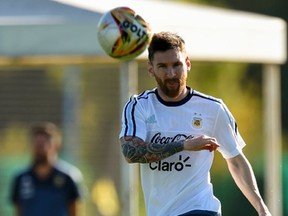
(49, 186)
(173, 131)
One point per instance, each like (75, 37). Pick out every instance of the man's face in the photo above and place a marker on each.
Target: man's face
(43, 148)
(170, 71)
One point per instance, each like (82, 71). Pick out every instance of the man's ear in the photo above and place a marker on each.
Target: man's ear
(150, 69)
(188, 63)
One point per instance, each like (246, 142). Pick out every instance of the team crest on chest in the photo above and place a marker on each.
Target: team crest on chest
(59, 181)
(197, 122)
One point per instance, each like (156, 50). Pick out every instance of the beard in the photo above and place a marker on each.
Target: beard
(40, 160)
(169, 88)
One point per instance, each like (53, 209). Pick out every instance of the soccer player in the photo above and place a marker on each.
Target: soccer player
(173, 131)
(49, 186)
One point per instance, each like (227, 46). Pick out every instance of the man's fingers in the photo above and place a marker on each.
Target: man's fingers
(211, 147)
(201, 142)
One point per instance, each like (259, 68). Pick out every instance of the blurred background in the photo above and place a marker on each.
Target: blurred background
(82, 96)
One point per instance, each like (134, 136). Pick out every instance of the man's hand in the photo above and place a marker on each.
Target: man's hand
(201, 142)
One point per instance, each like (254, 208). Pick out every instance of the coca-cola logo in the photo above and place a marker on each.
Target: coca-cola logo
(157, 138)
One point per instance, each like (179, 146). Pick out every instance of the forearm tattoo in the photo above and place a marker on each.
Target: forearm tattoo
(137, 151)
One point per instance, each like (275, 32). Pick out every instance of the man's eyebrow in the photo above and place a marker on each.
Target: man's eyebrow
(160, 64)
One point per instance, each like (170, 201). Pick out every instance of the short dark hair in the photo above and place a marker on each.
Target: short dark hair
(164, 41)
(46, 128)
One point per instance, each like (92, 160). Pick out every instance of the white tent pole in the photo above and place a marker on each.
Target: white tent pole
(130, 173)
(71, 106)
(272, 138)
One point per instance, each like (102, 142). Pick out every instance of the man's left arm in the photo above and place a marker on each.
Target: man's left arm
(76, 208)
(72, 208)
(243, 175)
(77, 194)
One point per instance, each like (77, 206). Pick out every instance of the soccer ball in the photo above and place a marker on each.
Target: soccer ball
(123, 34)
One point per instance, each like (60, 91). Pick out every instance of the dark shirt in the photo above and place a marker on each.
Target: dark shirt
(49, 196)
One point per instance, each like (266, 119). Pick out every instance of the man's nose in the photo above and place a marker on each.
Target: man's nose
(171, 72)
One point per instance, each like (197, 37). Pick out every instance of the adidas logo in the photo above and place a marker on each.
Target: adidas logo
(151, 120)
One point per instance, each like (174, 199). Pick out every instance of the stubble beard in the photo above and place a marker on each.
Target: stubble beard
(170, 92)
(40, 160)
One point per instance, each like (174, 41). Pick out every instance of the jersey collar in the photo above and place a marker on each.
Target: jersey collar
(175, 103)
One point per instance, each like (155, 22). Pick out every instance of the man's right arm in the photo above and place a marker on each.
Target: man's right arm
(136, 150)
(14, 196)
(17, 210)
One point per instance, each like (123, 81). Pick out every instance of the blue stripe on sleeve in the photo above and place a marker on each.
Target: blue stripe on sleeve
(130, 124)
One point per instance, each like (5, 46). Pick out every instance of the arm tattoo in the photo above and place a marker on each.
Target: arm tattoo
(136, 150)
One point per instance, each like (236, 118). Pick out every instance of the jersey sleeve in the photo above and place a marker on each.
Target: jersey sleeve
(227, 134)
(133, 119)
(74, 190)
(77, 188)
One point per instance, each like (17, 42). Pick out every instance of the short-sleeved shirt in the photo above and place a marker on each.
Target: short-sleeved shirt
(181, 182)
(49, 196)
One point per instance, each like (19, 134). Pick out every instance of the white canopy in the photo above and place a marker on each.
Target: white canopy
(68, 27)
(210, 33)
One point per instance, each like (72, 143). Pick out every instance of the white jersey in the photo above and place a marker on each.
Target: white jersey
(181, 182)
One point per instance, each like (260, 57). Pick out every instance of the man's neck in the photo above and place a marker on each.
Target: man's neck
(179, 97)
(43, 170)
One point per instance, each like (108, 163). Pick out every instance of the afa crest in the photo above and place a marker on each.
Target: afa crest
(59, 181)
(197, 122)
